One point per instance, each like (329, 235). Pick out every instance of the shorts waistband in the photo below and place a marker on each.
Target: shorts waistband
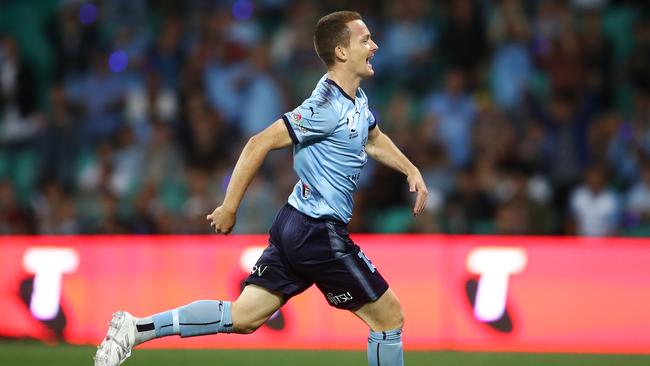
(332, 220)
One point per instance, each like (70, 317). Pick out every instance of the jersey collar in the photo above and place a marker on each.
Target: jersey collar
(332, 82)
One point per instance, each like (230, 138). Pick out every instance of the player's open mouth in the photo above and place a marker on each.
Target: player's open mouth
(368, 60)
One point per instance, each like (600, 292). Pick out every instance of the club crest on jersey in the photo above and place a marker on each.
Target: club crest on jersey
(353, 121)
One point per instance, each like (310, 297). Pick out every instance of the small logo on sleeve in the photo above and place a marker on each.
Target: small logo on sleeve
(296, 119)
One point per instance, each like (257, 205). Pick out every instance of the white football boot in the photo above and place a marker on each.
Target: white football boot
(119, 341)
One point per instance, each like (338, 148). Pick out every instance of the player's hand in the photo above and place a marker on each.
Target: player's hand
(416, 184)
(222, 220)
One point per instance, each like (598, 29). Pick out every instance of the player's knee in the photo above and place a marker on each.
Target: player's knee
(397, 318)
(393, 315)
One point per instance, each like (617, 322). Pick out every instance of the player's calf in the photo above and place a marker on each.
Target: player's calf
(246, 323)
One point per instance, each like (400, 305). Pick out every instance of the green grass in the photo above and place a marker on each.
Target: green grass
(34, 354)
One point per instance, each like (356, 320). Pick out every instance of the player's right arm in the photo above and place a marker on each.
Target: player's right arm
(276, 136)
(381, 148)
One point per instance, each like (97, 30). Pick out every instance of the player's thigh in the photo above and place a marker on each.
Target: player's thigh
(383, 314)
(253, 307)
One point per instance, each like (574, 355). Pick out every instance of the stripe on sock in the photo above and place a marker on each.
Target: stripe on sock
(210, 323)
(378, 344)
(145, 327)
(175, 322)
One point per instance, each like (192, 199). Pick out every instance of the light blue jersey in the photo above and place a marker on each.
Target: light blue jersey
(329, 131)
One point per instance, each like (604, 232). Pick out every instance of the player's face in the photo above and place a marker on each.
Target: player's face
(361, 49)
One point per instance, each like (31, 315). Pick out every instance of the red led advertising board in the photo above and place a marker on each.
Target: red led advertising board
(540, 294)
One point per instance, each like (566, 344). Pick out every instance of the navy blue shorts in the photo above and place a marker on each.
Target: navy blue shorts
(304, 251)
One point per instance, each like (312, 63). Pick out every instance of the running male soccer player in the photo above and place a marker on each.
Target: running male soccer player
(332, 133)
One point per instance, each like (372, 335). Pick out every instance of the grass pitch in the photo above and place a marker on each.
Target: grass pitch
(34, 354)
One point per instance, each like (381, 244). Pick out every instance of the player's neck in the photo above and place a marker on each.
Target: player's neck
(349, 83)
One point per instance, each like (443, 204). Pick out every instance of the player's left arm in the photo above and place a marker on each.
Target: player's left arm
(381, 148)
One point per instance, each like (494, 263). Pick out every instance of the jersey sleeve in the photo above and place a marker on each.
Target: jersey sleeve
(372, 120)
(311, 120)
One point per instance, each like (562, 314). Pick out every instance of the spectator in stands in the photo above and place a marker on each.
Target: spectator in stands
(261, 86)
(463, 41)
(101, 112)
(453, 111)
(598, 52)
(595, 208)
(15, 218)
(408, 43)
(637, 203)
(469, 208)
(60, 144)
(511, 65)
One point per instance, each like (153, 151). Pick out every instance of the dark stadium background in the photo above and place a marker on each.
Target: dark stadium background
(126, 117)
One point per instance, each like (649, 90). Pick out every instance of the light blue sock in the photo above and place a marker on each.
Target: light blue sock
(205, 317)
(198, 318)
(385, 348)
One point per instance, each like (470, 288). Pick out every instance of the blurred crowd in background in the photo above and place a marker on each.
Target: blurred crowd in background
(127, 116)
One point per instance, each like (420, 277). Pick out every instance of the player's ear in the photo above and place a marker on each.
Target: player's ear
(341, 53)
